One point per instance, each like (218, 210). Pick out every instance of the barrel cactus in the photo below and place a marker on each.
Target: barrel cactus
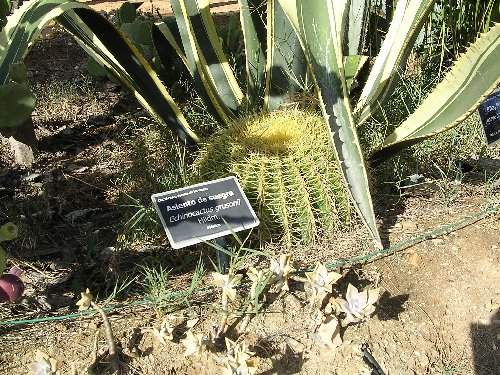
(286, 167)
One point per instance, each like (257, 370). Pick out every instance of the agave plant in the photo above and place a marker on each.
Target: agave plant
(287, 44)
(321, 27)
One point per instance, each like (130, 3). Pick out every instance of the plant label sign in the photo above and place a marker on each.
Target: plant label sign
(205, 211)
(489, 111)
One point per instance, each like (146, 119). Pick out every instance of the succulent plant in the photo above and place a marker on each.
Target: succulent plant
(259, 279)
(288, 45)
(328, 333)
(281, 270)
(227, 283)
(169, 325)
(358, 305)
(85, 302)
(44, 364)
(194, 344)
(165, 332)
(238, 359)
(287, 169)
(320, 283)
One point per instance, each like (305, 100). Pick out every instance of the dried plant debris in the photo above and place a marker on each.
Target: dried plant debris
(238, 360)
(194, 343)
(85, 301)
(170, 325)
(259, 280)
(328, 333)
(227, 283)
(44, 364)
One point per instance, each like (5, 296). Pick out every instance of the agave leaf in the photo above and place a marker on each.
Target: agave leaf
(19, 101)
(471, 79)
(23, 27)
(4, 8)
(321, 24)
(352, 67)
(104, 43)
(356, 20)
(408, 19)
(290, 9)
(98, 37)
(286, 66)
(205, 55)
(4, 11)
(18, 73)
(167, 48)
(161, 33)
(253, 22)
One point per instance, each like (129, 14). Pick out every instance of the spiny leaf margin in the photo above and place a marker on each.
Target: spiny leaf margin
(471, 79)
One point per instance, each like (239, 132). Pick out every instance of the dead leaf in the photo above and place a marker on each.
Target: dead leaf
(328, 333)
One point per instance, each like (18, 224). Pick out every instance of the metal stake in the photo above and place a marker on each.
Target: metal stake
(222, 257)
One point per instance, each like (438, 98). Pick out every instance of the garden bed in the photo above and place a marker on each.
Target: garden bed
(101, 156)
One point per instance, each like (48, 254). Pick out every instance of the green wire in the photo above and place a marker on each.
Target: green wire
(436, 232)
(439, 231)
(71, 316)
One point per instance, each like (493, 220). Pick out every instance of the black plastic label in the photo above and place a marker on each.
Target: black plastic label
(489, 111)
(205, 211)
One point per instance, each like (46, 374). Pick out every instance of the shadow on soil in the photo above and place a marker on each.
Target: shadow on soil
(486, 346)
(289, 362)
(68, 239)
